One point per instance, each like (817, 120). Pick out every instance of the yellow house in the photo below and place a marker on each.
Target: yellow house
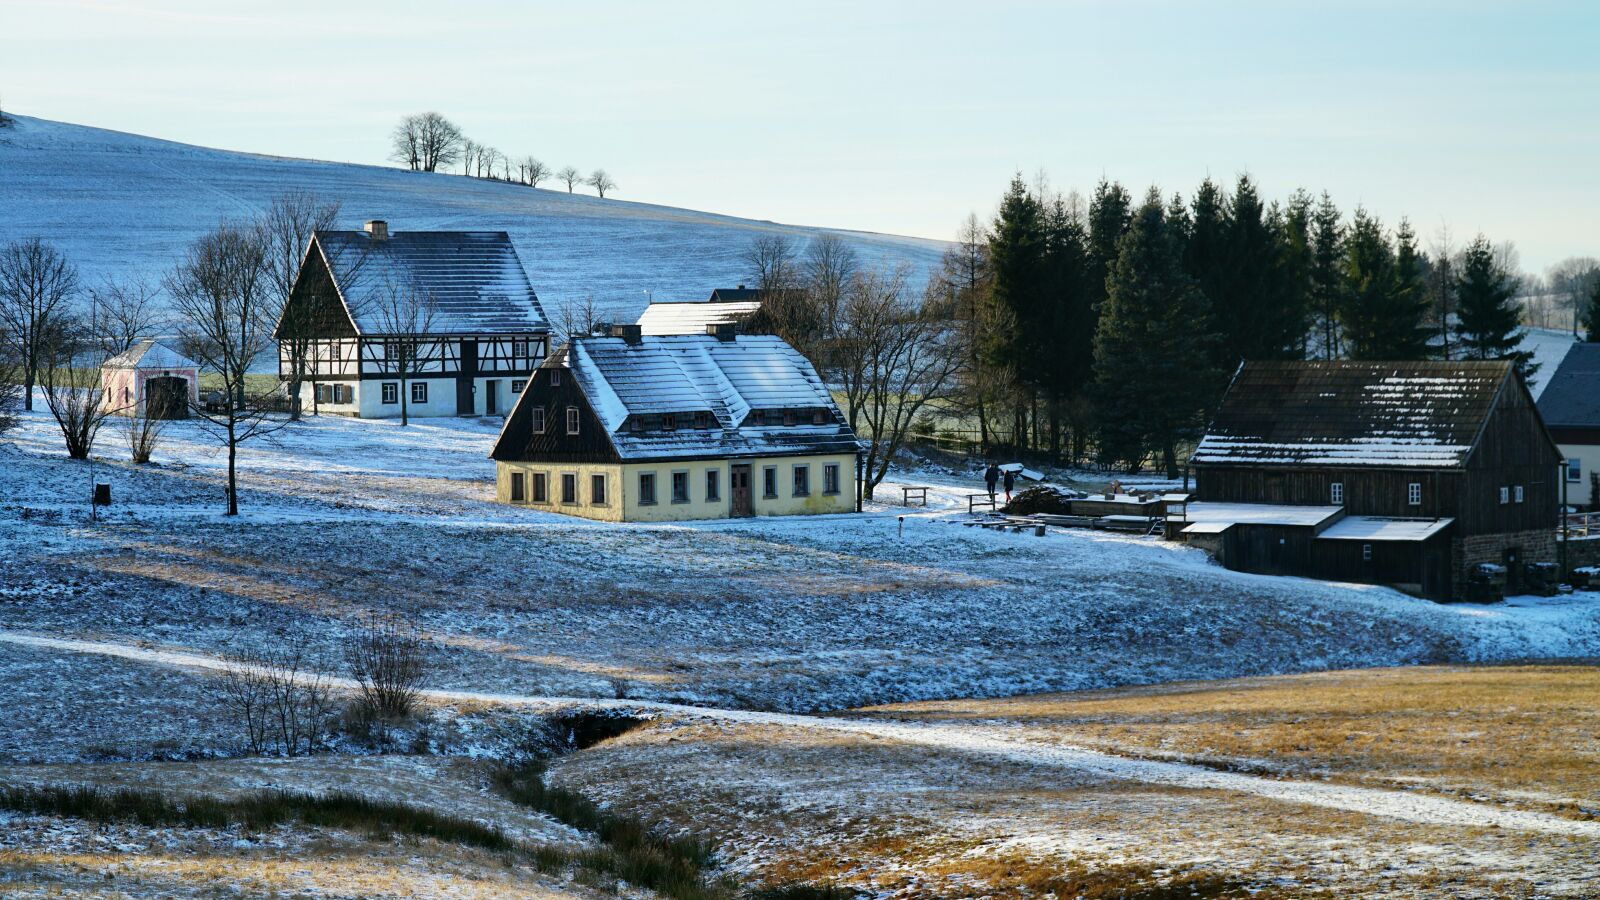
(652, 428)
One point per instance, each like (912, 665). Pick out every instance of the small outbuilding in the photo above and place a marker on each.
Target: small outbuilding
(150, 379)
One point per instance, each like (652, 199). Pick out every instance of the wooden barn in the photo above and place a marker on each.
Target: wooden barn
(636, 428)
(150, 379)
(444, 322)
(1408, 474)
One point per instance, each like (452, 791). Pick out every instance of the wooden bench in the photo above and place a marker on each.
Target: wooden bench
(974, 501)
(907, 491)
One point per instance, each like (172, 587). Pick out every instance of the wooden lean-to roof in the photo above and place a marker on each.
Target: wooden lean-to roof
(1384, 414)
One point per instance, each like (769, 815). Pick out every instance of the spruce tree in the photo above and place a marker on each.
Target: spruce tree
(1205, 258)
(1368, 277)
(1258, 317)
(1063, 345)
(1109, 212)
(1488, 323)
(1291, 228)
(1153, 347)
(1017, 248)
(1327, 274)
(1408, 303)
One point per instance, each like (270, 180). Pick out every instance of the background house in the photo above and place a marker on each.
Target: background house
(699, 317)
(444, 322)
(1570, 406)
(150, 379)
(1396, 473)
(642, 428)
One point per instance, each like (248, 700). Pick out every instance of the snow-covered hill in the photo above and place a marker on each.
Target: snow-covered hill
(121, 203)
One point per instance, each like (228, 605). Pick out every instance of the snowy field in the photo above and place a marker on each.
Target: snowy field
(58, 181)
(731, 636)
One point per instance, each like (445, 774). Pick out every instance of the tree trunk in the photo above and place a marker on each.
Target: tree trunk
(404, 399)
(1169, 458)
(27, 390)
(233, 471)
(294, 399)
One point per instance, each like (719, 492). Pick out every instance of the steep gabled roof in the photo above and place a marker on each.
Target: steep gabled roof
(1571, 398)
(1396, 414)
(684, 375)
(475, 278)
(692, 317)
(740, 294)
(150, 353)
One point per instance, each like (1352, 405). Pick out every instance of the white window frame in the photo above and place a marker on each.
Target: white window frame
(419, 392)
(518, 385)
(391, 392)
(1414, 493)
(538, 420)
(1575, 469)
(572, 420)
(555, 377)
(1505, 495)
(1336, 493)
(1516, 494)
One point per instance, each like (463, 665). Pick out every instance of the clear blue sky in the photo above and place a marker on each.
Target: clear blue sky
(897, 117)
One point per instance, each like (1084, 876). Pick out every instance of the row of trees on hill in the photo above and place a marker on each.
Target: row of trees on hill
(428, 142)
(1117, 321)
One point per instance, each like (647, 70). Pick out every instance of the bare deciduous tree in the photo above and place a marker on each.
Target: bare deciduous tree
(535, 170)
(469, 155)
(601, 182)
(10, 386)
(1573, 281)
(286, 229)
(222, 292)
(406, 315)
(282, 705)
(579, 318)
(141, 426)
(37, 285)
(892, 357)
(425, 142)
(73, 390)
(121, 312)
(571, 176)
(388, 658)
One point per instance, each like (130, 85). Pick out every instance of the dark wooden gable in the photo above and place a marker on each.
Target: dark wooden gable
(519, 443)
(314, 309)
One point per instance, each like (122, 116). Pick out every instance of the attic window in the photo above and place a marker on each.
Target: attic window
(669, 422)
(817, 417)
(788, 417)
(555, 377)
(519, 348)
(572, 420)
(636, 423)
(702, 420)
(538, 420)
(772, 417)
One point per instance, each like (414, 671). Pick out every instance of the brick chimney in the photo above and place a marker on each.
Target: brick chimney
(379, 229)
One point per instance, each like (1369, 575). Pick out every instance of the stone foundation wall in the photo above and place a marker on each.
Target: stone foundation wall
(1537, 545)
(1582, 552)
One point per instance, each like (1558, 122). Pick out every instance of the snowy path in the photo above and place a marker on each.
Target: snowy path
(983, 740)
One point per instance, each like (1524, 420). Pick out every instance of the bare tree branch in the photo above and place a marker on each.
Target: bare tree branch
(37, 285)
(601, 182)
(287, 228)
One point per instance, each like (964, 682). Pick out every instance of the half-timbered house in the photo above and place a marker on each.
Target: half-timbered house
(1570, 405)
(444, 322)
(636, 428)
(1403, 473)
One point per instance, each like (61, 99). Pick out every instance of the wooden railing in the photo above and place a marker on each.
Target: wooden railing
(1582, 525)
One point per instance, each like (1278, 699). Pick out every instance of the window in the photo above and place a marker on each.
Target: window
(772, 417)
(538, 420)
(830, 478)
(519, 348)
(517, 495)
(647, 489)
(802, 481)
(541, 488)
(517, 386)
(702, 420)
(597, 490)
(419, 392)
(788, 417)
(636, 423)
(680, 487)
(1574, 469)
(669, 422)
(1505, 495)
(1414, 493)
(572, 420)
(1336, 493)
(817, 417)
(391, 392)
(713, 485)
(1517, 493)
(555, 378)
(769, 482)
(1366, 552)
(569, 487)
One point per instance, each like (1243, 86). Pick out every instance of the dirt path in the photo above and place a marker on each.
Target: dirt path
(987, 740)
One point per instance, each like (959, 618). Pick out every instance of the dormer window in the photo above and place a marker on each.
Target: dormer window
(788, 418)
(817, 417)
(669, 422)
(636, 423)
(772, 417)
(702, 420)
(555, 377)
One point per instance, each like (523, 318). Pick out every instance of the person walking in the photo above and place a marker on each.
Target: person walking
(991, 477)
(1011, 482)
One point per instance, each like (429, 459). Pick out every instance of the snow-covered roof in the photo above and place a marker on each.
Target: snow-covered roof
(1405, 414)
(731, 382)
(1571, 398)
(693, 317)
(474, 278)
(1378, 528)
(1200, 511)
(150, 353)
